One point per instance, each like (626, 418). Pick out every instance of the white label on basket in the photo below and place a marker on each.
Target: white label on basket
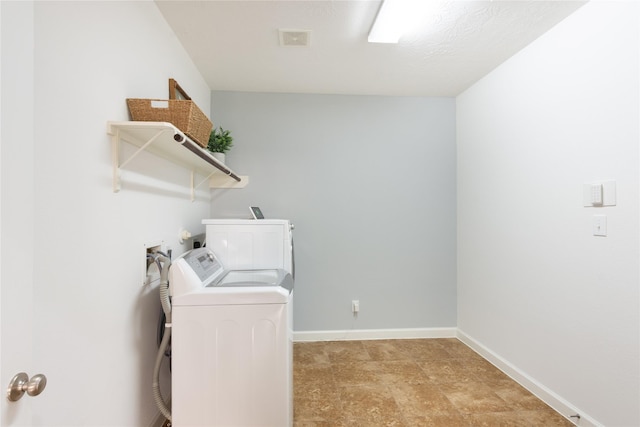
(159, 104)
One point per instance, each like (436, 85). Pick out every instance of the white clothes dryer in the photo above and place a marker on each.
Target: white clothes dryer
(252, 243)
(232, 344)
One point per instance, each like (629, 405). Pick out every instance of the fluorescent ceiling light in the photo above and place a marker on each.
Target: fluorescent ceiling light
(396, 17)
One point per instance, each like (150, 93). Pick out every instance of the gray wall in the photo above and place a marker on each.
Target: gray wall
(369, 183)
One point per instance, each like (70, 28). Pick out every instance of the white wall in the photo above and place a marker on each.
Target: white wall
(94, 325)
(17, 201)
(535, 288)
(369, 183)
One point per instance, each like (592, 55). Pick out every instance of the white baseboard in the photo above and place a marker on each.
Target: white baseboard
(549, 397)
(373, 334)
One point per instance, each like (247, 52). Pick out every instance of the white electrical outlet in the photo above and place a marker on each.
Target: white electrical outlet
(355, 306)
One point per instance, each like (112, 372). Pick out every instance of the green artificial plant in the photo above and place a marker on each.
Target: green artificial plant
(220, 141)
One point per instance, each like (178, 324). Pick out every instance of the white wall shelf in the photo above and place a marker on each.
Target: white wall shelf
(167, 141)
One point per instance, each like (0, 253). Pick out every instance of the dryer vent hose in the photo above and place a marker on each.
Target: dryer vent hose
(166, 307)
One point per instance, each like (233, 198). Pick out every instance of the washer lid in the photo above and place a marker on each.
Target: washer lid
(241, 287)
(241, 278)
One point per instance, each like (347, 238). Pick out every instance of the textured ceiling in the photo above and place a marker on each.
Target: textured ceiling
(235, 44)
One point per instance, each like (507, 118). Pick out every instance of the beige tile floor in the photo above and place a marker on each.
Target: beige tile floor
(408, 383)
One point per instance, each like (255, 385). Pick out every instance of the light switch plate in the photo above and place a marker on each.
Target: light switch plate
(599, 225)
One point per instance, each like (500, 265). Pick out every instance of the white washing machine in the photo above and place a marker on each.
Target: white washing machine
(232, 344)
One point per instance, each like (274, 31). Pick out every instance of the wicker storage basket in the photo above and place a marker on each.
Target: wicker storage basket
(183, 114)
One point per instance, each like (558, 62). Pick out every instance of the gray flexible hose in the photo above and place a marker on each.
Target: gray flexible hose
(164, 287)
(166, 307)
(157, 395)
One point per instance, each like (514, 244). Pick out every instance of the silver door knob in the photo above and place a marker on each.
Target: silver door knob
(21, 383)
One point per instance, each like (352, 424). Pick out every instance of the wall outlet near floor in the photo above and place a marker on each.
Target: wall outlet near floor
(355, 306)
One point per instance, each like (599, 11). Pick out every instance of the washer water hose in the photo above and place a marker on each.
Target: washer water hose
(166, 307)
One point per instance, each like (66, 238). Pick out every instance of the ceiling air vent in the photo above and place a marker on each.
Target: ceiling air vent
(295, 37)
